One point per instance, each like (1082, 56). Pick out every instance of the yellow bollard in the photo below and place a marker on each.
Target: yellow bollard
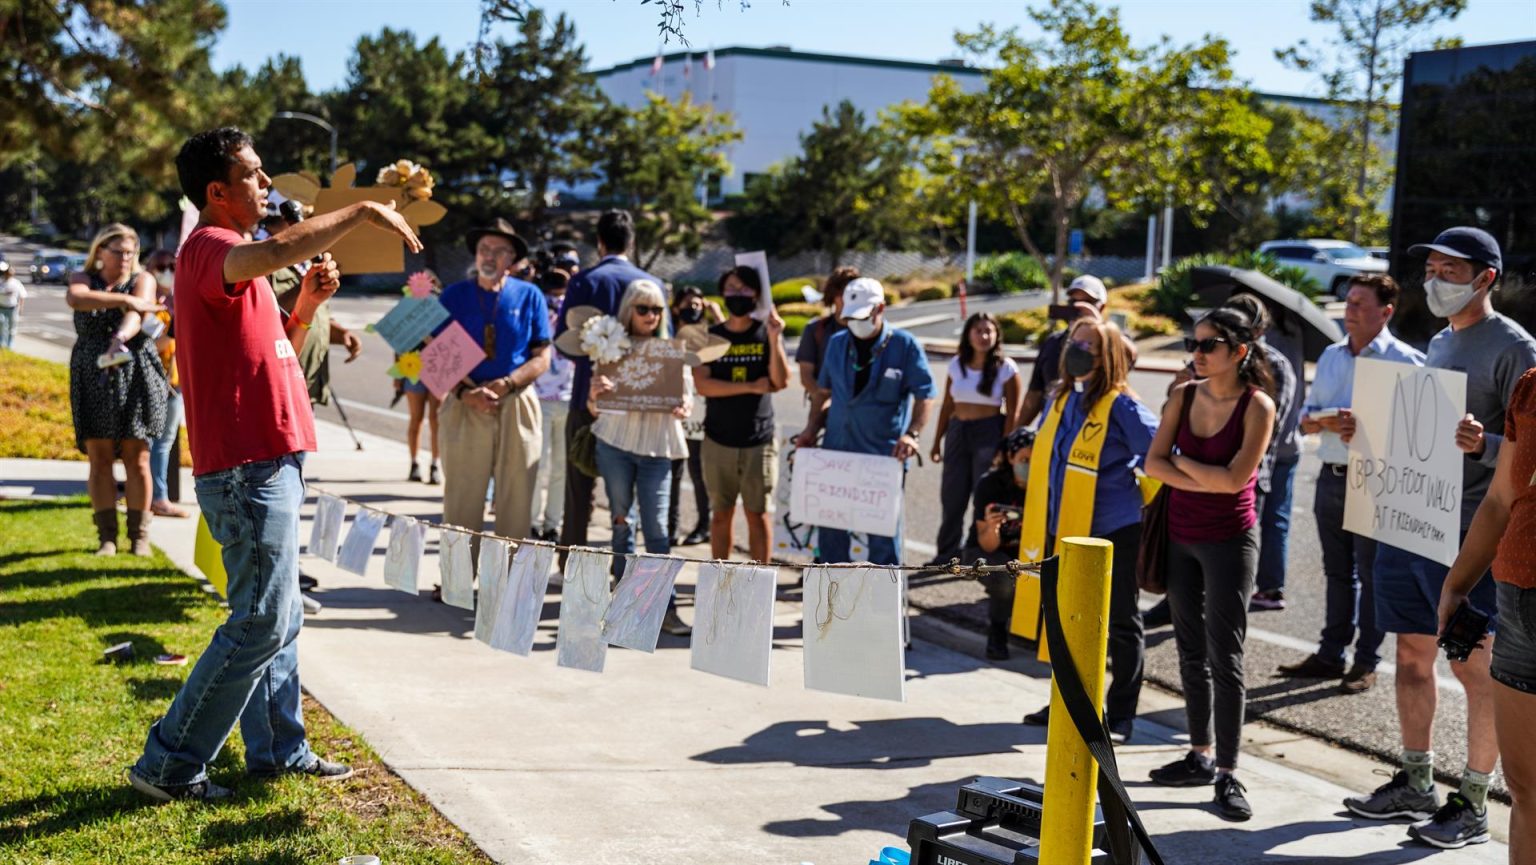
(1071, 773)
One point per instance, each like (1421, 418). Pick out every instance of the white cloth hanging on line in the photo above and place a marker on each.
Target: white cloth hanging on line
(402, 560)
(358, 547)
(493, 577)
(852, 631)
(325, 532)
(733, 621)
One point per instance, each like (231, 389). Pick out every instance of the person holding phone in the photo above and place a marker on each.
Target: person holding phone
(994, 535)
(1083, 483)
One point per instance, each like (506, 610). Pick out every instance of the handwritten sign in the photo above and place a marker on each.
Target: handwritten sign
(648, 378)
(410, 321)
(450, 357)
(758, 261)
(1404, 467)
(842, 490)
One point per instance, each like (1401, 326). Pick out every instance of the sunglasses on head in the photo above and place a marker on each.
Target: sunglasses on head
(1204, 346)
(643, 309)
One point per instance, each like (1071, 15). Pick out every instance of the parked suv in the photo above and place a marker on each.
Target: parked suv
(1330, 262)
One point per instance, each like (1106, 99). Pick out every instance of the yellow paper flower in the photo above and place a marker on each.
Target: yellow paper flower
(409, 365)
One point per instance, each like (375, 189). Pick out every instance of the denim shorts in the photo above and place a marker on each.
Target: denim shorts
(1514, 652)
(1408, 592)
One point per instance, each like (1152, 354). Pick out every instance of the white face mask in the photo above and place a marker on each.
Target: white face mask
(862, 328)
(1448, 298)
(167, 279)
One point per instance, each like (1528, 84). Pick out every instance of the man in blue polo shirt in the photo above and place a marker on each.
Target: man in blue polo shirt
(491, 425)
(875, 395)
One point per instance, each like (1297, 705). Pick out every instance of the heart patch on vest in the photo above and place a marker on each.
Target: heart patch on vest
(1092, 430)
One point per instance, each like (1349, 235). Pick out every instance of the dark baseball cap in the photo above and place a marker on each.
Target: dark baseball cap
(1464, 241)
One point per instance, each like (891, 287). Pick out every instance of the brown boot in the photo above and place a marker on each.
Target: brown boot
(106, 531)
(138, 533)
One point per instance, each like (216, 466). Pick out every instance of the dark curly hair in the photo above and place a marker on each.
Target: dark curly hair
(1237, 328)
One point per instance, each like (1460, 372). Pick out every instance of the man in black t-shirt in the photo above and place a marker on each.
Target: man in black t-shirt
(739, 453)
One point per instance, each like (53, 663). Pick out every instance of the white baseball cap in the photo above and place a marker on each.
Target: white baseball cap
(1091, 286)
(861, 296)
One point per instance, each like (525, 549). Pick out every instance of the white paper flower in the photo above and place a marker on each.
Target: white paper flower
(603, 339)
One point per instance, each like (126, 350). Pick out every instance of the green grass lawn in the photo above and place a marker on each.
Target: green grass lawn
(70, 725)
(35, 422)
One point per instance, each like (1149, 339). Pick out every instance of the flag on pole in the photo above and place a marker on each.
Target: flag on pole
(656, 65)
(709, 60)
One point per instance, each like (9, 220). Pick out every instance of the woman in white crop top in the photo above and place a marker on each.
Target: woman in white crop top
(981, 405)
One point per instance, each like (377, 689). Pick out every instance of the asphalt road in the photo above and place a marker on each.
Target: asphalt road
(1364, 722)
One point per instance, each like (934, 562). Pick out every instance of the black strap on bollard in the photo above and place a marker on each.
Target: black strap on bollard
(1120, 818)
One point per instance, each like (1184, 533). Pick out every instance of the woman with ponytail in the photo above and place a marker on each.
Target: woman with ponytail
(1213, 436)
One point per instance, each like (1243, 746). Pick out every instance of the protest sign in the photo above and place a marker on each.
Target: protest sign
(758, 261)
(842, 490)
(1405, 471)
(450, 357)
(369, 248)
(648, 378)
(410, 321)
(792, 535)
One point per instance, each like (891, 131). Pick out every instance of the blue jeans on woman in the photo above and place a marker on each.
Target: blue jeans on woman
(250, 670)
(632, 479)
(160, 448)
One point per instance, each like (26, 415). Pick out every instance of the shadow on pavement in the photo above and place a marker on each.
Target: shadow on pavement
(877, 815)
(895, 743)
(1238, 845)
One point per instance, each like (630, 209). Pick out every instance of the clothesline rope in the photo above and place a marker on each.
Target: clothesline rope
(954, 567)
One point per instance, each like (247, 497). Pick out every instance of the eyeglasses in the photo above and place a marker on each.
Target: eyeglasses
(1204, 346)
(120, 252)
(641, 309)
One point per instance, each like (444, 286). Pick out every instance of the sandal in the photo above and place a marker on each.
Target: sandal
(167, 509)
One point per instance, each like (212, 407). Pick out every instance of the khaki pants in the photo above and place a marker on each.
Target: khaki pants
(478, 447)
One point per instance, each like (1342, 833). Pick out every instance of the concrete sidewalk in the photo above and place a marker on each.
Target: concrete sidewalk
(651, 761)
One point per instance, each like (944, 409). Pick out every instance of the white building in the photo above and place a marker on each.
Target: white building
(774, 95)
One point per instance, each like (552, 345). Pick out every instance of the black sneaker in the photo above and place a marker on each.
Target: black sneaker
(321, 770)
(1157, 616)
(1230, 801)
(308, 583)
(1455, 825)
(1191, 770)
(204, 790)
(1040, 717)
(1120, 731)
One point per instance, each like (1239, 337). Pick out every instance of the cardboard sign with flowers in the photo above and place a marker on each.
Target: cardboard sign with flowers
(647, 372)
(369, 249)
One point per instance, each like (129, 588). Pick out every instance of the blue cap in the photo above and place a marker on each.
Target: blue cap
(1464, 241)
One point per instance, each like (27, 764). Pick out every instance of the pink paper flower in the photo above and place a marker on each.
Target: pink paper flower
(419, 284)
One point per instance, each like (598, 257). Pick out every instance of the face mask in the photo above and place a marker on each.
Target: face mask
(740, 305)
(691, 314)
(1448, 298)
(1021, 471)
(862, 328)
(167, 279)
(1079, 361)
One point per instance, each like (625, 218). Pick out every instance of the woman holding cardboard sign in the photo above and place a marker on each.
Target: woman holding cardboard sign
(635, 449)
(1082, 482)
(1220, 426)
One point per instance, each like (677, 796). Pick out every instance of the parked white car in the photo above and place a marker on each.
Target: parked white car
(1330, 262)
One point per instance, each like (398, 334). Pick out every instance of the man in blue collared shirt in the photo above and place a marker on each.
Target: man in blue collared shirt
(875, 395)
(600, 285)
(1348, 558)
(492, 425)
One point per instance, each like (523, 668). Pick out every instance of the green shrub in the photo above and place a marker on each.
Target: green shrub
(794, 325)
(933, 292)
(1012, 272)
(808, 310)
(789, 290)
(1026, 327)
(1175, 290)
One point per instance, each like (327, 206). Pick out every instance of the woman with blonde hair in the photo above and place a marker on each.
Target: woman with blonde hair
(117, 386)
(635, 449)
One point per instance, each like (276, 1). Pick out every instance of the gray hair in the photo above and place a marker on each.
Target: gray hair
(639, 291)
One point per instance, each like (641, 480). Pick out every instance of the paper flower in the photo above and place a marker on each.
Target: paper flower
(414, 179)
(603, 339)
(407, 366)
(419, 284)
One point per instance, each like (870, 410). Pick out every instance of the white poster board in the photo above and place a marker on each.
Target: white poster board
(758, 261)
(793, 536)
(842, 490)
(1405, 471)
(633, 619)
(733, 621)
(455, 569)
(853, 642)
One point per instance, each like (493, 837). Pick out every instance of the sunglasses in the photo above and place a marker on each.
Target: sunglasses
(641, 309)
(1204, 346)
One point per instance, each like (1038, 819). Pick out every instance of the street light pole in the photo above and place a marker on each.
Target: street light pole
(320, 122)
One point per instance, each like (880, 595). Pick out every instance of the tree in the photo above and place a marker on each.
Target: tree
(1085, 112)
(851, 187)
(654, 160)
(1371, 42)
(543, 104)
(288, 145)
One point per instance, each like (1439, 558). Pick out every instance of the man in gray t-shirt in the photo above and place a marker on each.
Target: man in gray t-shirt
(1461, 268)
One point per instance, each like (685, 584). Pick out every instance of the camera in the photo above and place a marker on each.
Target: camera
(1464, 632)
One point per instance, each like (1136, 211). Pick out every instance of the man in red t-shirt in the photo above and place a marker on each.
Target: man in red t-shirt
(248, 427)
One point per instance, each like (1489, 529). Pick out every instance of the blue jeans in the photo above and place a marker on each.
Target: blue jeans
(1275, 526)
(7, 326)
(1349, 569)
(833, 546)
(250, 670)
(631, 480)
(160, 448)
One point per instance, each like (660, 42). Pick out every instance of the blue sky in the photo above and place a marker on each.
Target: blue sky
(322, 32)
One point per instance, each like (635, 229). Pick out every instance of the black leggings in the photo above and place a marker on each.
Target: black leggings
(1208, 589)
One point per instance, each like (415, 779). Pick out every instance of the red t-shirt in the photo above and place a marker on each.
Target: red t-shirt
(1515, 562)
(244, 392)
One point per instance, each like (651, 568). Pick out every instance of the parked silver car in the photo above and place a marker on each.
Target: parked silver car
(1330, 262)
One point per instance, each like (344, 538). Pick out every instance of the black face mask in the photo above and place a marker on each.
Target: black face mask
(740, 305)
(691, 314)
(1079, 361)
